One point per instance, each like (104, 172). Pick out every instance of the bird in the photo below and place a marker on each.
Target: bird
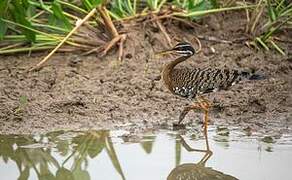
(192, 171)
(197, 171)
(194, 83)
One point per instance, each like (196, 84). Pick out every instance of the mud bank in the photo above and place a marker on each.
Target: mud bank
(87, 92)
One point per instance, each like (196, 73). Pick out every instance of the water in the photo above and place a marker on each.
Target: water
(121, 155)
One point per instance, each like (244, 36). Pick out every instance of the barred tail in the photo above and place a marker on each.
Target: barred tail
(253, 75)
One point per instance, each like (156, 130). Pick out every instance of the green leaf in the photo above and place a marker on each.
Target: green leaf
(96, 3)
(95, 148)
(3, 7)
(3, 25)
(24, 175)
(31, 11)
(123, 8)
(214, 3)
(64, 174)
(3, 29)
(271, 11)
(58, 16)
(90, 4)
(81, 174)
(18, 12)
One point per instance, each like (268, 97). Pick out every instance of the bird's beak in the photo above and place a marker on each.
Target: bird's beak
(165, 52)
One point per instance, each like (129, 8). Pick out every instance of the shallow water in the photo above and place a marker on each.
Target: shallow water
(153, 155)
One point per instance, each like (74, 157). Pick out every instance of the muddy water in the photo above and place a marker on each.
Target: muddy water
(159, 155)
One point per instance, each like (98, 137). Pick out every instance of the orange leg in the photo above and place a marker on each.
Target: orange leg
(204, 101)
(186, 111)
(206, 121)
(205, 105)
(201, 104)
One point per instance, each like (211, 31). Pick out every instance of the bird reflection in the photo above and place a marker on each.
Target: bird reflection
(68, 155)
(196, 171)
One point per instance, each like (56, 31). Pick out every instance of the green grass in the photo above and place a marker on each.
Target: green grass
(34, 25)
(279, 14)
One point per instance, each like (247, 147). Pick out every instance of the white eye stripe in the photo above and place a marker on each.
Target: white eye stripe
(189, 52)
(185, 52)
(182, 45)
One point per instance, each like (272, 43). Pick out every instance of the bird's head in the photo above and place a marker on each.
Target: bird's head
(181, 49)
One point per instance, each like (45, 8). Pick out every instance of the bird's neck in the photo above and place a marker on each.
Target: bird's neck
(167, 71)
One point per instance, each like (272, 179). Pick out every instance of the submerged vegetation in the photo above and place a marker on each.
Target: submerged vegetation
(33, 25)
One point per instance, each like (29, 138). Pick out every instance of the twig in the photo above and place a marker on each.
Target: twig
(256, 20)
(247, 18)
(162, 29)
(108, 21)
(116, 37)
(122, 40)
(91, 13)
(199, 43)
(111, 44)
(214, 39)
(11, 46)
(189, 23)
(255, 16)
(283, 40)
(155, 17)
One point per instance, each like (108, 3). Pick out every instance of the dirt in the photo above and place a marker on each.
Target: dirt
(87, 92)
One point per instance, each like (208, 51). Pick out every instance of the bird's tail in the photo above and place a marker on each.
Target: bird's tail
(253, 75)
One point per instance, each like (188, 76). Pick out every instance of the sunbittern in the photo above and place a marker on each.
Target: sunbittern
(197, 171)
(193, 83)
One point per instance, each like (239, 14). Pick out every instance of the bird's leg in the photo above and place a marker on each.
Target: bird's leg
(185, 111)
(205, 101)
(208, 152)
(205, 105)
(206, 122)
(200, 104)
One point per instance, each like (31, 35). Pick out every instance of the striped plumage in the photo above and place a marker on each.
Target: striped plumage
(189, 83)
(191, 171)
(193, 83)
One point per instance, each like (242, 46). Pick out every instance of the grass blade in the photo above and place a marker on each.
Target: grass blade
(18, 12)
(3, 25)
(58, 17)
(271, 11)
(3, 29)
(204, 12)
(259, 40)
(277, 48)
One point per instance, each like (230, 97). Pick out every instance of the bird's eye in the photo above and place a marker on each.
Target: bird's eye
(184, 49)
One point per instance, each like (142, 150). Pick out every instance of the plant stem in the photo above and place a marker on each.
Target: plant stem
(91, 13)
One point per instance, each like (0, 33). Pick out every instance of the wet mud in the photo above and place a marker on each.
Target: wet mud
(76, 92)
